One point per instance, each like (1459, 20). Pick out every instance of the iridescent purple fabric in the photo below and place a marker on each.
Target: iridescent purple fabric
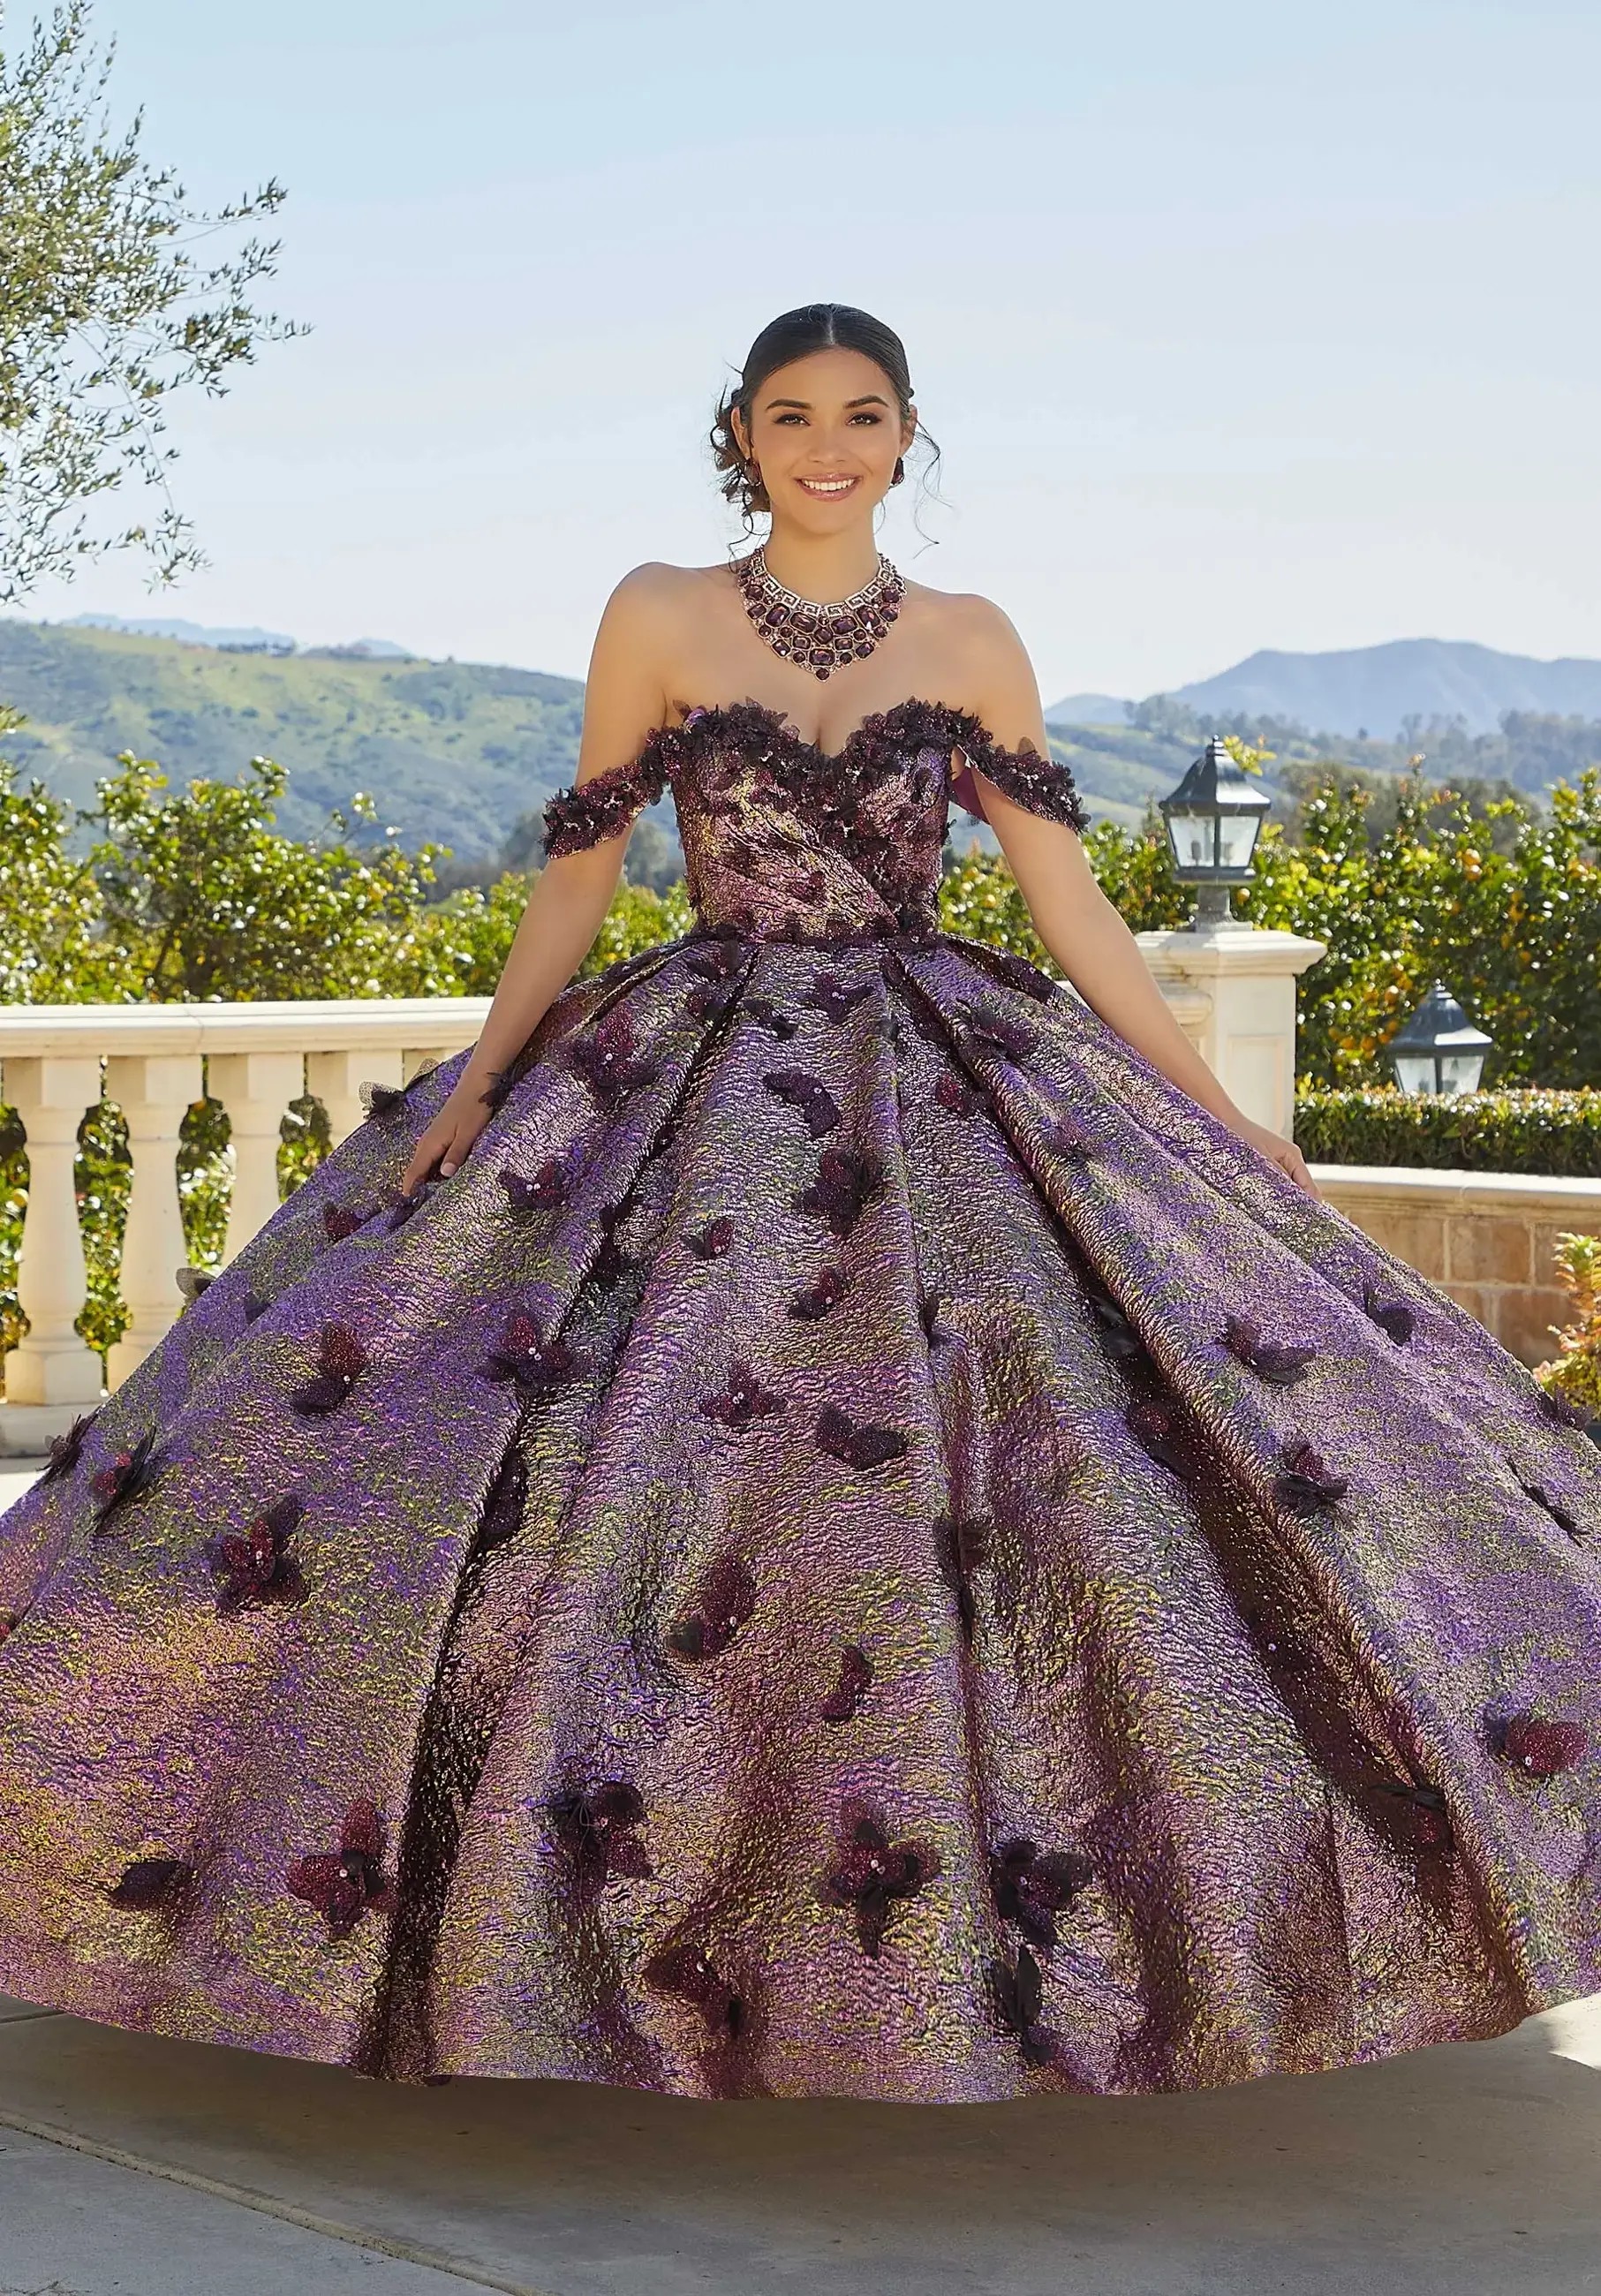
(862, 1544)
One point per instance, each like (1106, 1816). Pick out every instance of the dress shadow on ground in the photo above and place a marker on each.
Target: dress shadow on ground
(1469, 2168)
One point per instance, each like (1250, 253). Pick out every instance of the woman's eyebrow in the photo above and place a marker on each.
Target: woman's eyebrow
(869, 398)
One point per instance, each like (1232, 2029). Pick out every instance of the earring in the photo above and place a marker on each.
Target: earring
(899, 469)
(753, 472)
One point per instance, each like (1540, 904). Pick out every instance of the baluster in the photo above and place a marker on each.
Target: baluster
(256, 1089)
(153, 1092)
(51, 1364)
(336, 1078)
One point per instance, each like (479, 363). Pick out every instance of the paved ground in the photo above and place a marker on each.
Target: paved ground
(139, 2168)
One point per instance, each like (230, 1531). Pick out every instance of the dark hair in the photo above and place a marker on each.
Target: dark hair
(813, 327)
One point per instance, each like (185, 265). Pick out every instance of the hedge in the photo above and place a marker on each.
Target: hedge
(1549, 1134)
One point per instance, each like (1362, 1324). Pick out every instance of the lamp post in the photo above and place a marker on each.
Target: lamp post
(1439, 1049)
(1211, 819)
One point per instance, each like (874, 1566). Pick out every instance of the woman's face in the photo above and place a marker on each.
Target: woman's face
(827, 430)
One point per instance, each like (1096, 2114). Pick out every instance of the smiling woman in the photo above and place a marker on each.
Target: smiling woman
(818, 1513)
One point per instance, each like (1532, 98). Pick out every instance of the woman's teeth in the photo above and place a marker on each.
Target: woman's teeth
(828, 485)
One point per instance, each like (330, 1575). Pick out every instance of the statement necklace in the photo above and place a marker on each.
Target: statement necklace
(822, 638)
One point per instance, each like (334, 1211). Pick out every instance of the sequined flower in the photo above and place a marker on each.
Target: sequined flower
(543, 1192)
(1280, 1362)
(764, 1010)
(873, 1874)
(535, 1365)
(1392, 1317)
(258, 1565)
(860, 1443)
(711, 1241)
(609, 1059)
(835, 997)
(810, 1095)
(347, 1882)
(847, 1181)
(952, 1091)
(1304, 1484)
(744, 1400)
(1017, 1994)
(723, 1599)
(853, 1681)
(341, 1220)
(68, 1449)
(1541, 1747)
(597, 1828)
(127, 1477)
(340, 1360)
(826, 1289)
(990, 1031)
(1032, 1886)
(407, 1206)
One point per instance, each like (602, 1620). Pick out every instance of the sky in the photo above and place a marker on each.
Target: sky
(1251, 325)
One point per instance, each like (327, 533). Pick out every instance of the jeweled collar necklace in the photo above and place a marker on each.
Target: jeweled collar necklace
(822, 638)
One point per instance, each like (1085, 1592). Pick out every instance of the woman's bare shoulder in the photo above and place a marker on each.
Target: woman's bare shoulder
(973, 625)
(654, 595)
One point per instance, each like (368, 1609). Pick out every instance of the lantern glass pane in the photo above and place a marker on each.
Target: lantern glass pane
(1414, 1072)
(1237, 834)
(1461, 1071)
(1190, 835)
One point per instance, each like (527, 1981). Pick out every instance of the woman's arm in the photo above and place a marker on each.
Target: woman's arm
(624, 701)
(1081, 929)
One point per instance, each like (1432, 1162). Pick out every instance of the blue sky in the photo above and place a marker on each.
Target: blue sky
(1249, 325)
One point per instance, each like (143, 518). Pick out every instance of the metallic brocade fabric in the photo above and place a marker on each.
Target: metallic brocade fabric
(862, 1544)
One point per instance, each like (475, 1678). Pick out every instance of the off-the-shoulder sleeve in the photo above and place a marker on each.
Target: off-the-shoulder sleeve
(587, 813)
(1038, 783)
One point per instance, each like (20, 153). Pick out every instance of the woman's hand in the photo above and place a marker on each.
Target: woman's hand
(451, 1134)
(1278, 1150)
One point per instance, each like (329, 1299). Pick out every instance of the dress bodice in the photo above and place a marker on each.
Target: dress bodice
(785, 841)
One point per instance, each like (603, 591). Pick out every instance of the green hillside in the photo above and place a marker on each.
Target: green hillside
(451, 751)
(455, 751)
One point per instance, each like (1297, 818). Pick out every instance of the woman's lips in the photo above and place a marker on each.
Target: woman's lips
(828, 489)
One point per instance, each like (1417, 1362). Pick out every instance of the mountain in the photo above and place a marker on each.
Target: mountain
(453, 751)
(1374, 690)
(232, 641)
(1087, 709)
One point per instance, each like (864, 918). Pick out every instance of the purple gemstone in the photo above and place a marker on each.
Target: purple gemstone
(841, 628)
(862, 651)
(820, 653)
(773, 617)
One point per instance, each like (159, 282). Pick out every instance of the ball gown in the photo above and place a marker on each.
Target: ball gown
(862, 1544)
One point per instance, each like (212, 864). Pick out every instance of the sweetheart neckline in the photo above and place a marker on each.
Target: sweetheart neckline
(875, 721)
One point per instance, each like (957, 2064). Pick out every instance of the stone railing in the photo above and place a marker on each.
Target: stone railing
(154, 1060)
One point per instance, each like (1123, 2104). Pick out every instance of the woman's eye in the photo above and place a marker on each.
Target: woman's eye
(866, 415)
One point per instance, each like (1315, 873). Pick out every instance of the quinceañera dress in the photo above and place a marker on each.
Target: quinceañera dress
(862, 1544)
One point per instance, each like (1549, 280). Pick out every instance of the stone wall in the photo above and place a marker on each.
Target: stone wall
(1487, 1239)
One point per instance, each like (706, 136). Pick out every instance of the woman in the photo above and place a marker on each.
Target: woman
(820, 1513)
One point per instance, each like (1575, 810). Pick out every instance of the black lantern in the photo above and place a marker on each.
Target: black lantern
(1439, 1049)
(1213, 818)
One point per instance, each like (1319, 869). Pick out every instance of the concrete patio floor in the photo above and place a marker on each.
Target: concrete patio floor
(131, 2167)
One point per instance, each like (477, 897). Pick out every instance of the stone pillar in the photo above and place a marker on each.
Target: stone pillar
(154, 1092)
(256, 1089)
(52, 1374)
(1246, 1033)
(336, 1078)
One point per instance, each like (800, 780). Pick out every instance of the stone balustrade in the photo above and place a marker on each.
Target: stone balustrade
(154, 1061)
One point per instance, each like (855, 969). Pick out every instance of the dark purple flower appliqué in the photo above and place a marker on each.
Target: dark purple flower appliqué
(408, 1207)
(1280, 1362)
(543, 1192)
(192, 1280)
(873, 1874)
(258, 1565)
(347, 1882)
(718, 960)
(835, 997)
(152, 1885)
(535, 1365)
(340, 1360)
(855, 1680)
(991, 1031)
(341, 1220)
(711, 1241)
(847, 1180)
(1562, 1409)
(68, 1449)
(1304, 1484)
(1539, 1746)
(1018, 1996)
(962, 1544)
(609, 1059)
(597, 1828)
(1065, 1137)
(1159, 1430)
(824, 1291)
(723, 1599)
(810, 1095)
(384, 1103)
(1392, 1317)
(858, 1442)
(253, 1305)
(744, 1400)
(1032, 1886)
(129, 1477)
